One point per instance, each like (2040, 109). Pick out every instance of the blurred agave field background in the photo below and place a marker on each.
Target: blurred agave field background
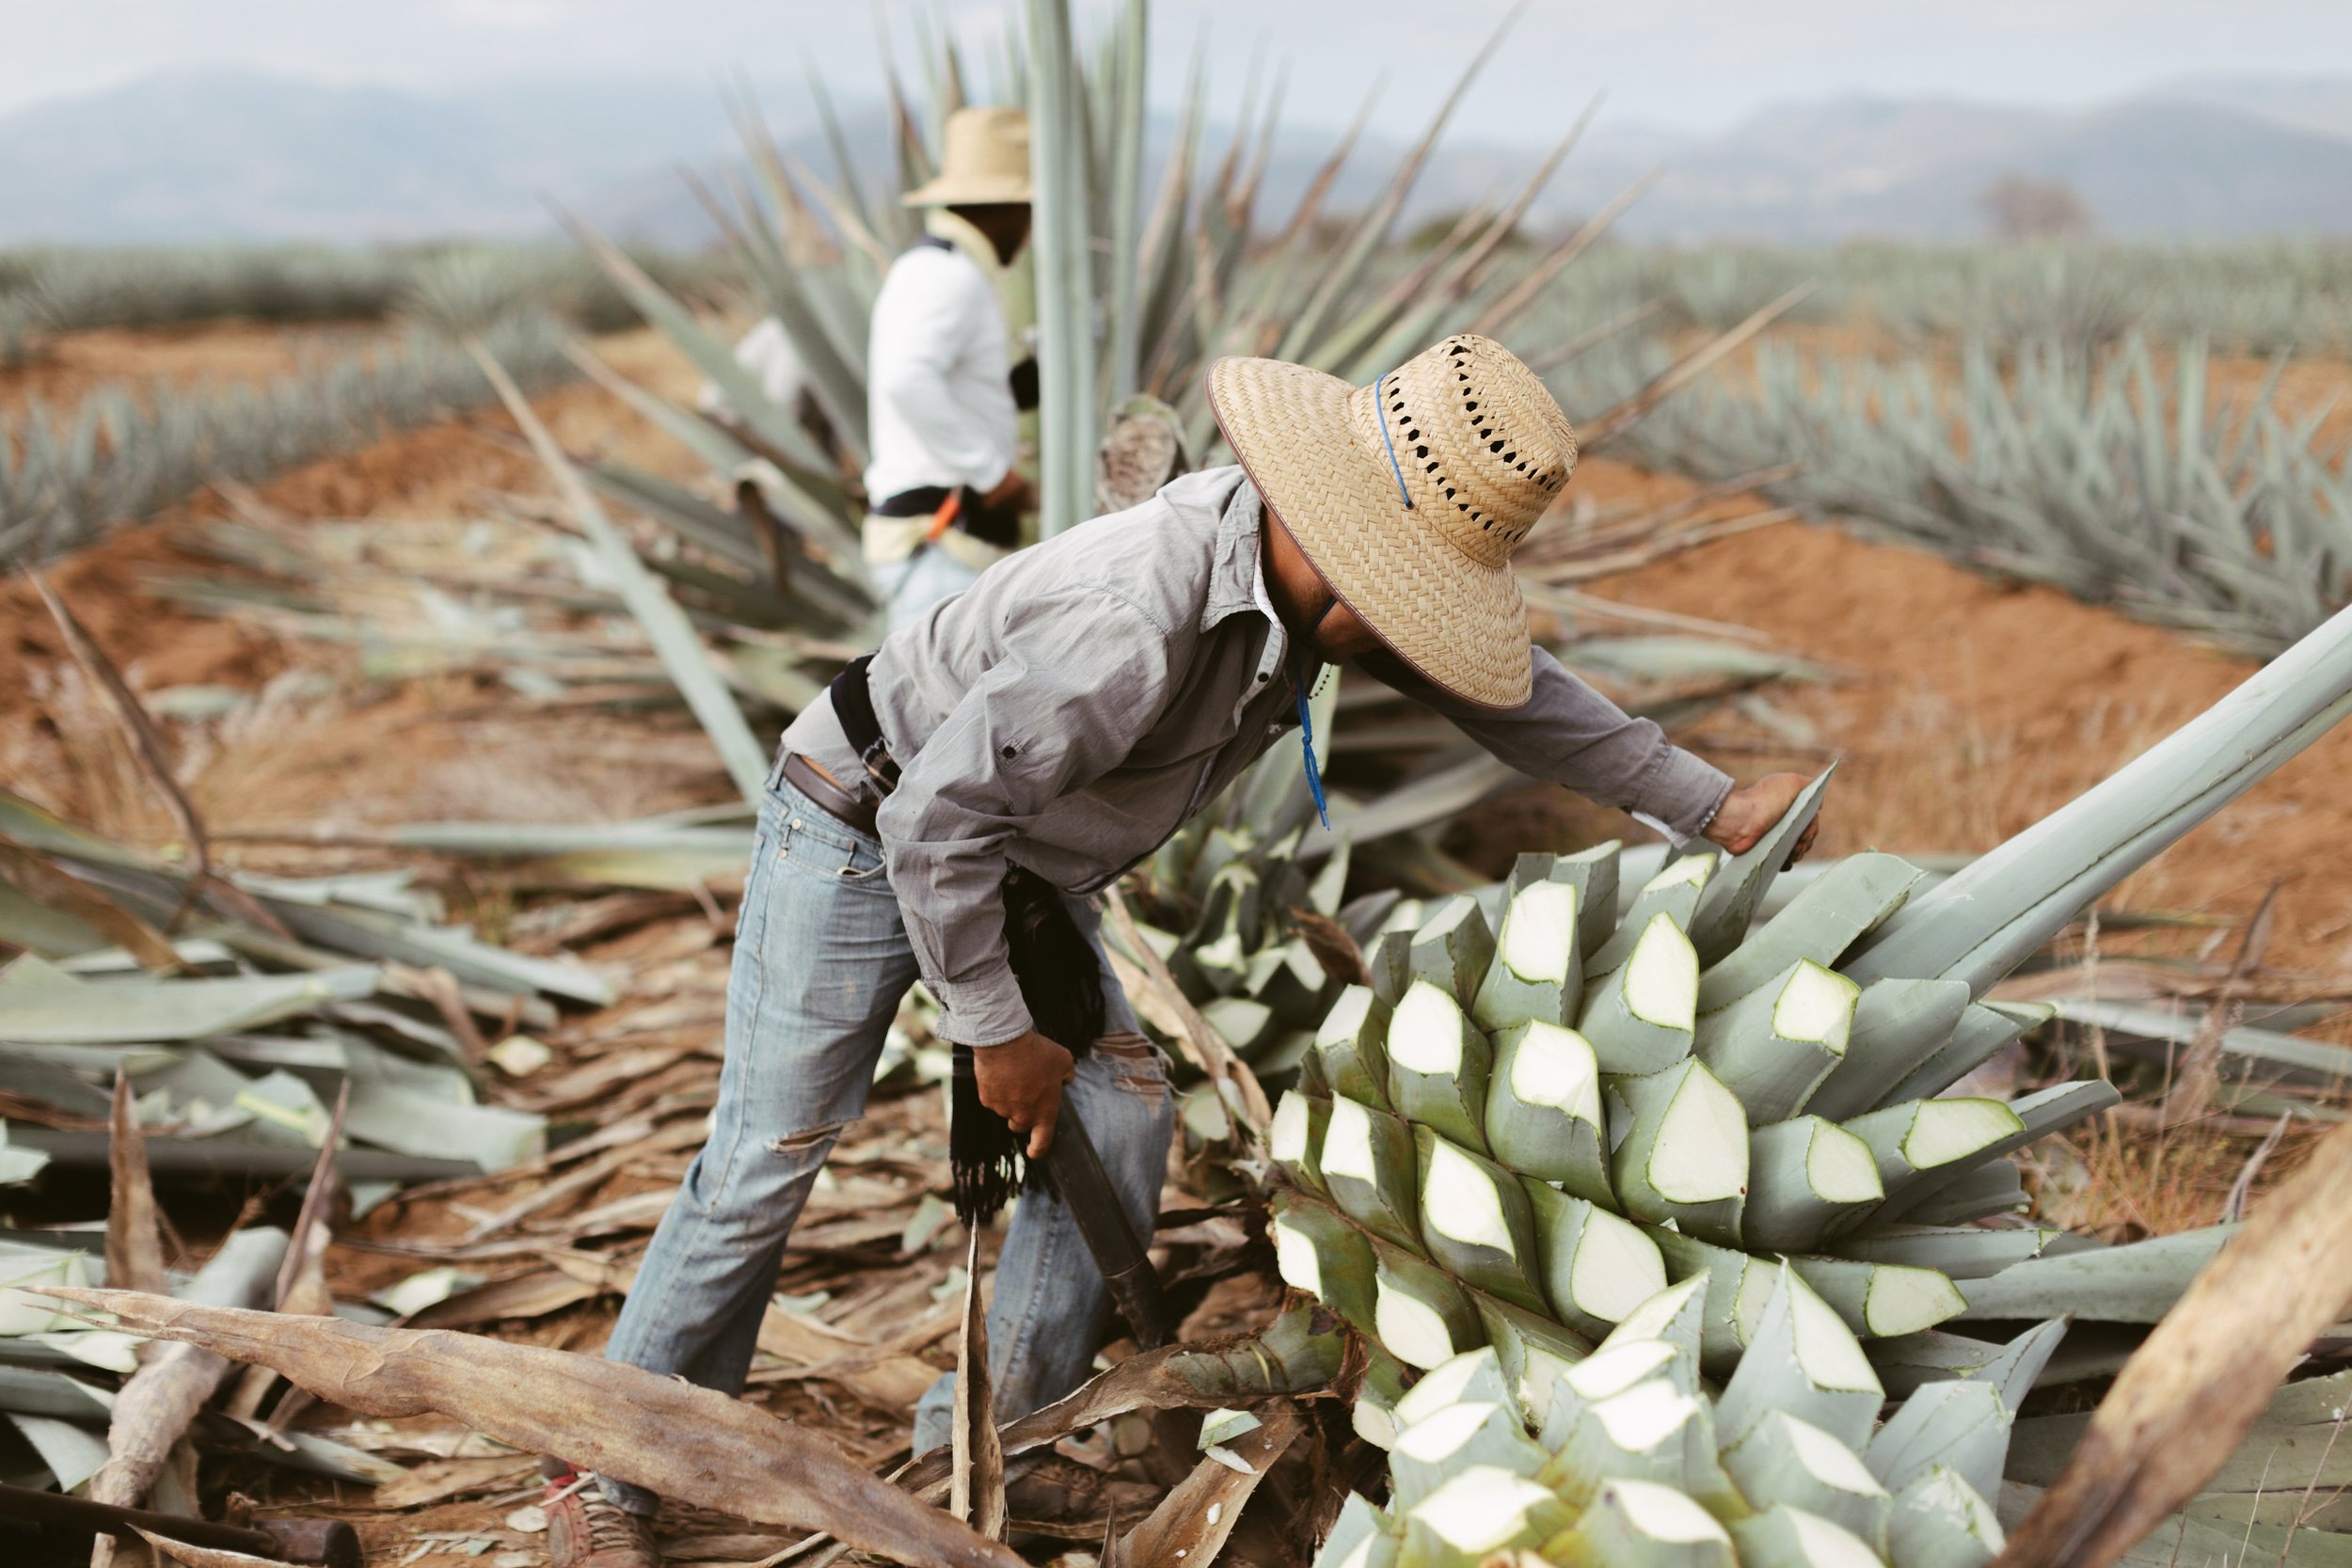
(396, 640)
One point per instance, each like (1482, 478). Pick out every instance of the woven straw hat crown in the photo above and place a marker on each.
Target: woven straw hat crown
(1410, 495)
(984, 159)
(1477, 439)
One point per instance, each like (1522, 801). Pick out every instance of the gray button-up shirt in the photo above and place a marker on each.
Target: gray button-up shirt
(1070, 710)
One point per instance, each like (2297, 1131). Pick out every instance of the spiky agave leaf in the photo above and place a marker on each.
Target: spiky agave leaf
(1640, 1015)
(1352, 1045)
(1318, 1252)
(1418, 1310)
(1809, 1365)
(1624, 1458)
(1682, 1149)
(1476, 1221)
(1786, 1537)
(1453, 950)
(1439, 1061)
(1653, 1432)
(1774, 1047)
(1783, 1460)
(1369, 1167)
(1673, 892)
(1761, 1221)
(1805, 1178)
(1730, 900)
(1642, 1523)
(1544, 1108)
(1534, 975)
(1596, 1266)
(1295, 1139)
(1852, 899)
(1895, 1020)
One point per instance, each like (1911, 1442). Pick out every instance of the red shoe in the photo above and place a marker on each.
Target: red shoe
(587, 1529)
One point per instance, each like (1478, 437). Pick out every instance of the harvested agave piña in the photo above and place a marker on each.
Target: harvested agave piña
(1626, 1459)
(1765, 1126)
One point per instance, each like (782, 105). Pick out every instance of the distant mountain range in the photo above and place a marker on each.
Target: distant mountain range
(219, 155)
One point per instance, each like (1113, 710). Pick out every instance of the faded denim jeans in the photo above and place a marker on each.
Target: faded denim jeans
(820, 965)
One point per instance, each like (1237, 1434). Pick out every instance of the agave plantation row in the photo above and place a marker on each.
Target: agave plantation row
(2132, 478)
(2266, 297)
(71, 289)
(118, 454)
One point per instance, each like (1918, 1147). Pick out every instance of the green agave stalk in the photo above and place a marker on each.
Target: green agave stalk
(1736, 1144)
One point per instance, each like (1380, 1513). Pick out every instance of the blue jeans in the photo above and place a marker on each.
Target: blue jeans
(820, 964)
(912, 586)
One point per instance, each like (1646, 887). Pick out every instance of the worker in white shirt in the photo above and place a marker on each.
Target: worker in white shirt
(944, 498)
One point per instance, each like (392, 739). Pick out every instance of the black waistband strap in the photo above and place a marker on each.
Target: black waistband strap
(922, 502)
(853, 707)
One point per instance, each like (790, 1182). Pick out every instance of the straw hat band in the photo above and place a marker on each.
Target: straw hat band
(1410, 495)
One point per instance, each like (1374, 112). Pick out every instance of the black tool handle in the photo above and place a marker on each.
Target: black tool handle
(1126, 1268)
(329, 1542)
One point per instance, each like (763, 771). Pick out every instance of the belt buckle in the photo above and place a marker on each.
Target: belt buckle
(880, 766)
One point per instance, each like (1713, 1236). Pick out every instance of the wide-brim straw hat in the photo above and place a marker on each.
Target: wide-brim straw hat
(1410, 495)
(984, 160)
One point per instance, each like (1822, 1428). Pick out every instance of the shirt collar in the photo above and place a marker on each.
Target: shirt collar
(1237, 578)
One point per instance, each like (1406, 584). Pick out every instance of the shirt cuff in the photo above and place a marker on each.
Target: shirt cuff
(983, 1012)
(1678, 794)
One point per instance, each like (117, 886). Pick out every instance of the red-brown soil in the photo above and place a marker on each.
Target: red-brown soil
(1976, 706)
(368, 751)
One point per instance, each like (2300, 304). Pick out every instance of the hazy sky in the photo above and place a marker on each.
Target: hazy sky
(1691, 63)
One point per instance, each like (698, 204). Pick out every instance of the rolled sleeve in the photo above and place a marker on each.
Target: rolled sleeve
(1081, 678)
(1569, 734)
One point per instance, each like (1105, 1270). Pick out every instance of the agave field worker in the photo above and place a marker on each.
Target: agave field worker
(1057, 723)
(944, 396)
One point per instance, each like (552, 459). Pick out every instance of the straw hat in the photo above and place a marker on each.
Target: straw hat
(1410, 495)
(987, 160)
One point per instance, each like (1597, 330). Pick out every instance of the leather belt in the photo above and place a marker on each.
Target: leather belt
(837, 802)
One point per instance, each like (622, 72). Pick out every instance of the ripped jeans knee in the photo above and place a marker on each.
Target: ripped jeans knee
(817, 1141)
(1136, 1066)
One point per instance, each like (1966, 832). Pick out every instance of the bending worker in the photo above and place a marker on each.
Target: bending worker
(1065, 714)
(943, 396)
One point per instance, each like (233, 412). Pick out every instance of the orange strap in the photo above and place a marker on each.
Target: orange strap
(944, 518)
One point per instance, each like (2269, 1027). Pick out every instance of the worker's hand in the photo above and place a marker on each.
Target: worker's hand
(1021, 1081)
(1747, 815)
(1013, 492)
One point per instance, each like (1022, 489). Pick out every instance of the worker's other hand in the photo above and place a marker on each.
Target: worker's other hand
(1747, 815)
(1013, 493)
(1021, 1081)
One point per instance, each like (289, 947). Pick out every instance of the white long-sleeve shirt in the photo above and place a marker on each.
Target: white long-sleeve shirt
(939, 405)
